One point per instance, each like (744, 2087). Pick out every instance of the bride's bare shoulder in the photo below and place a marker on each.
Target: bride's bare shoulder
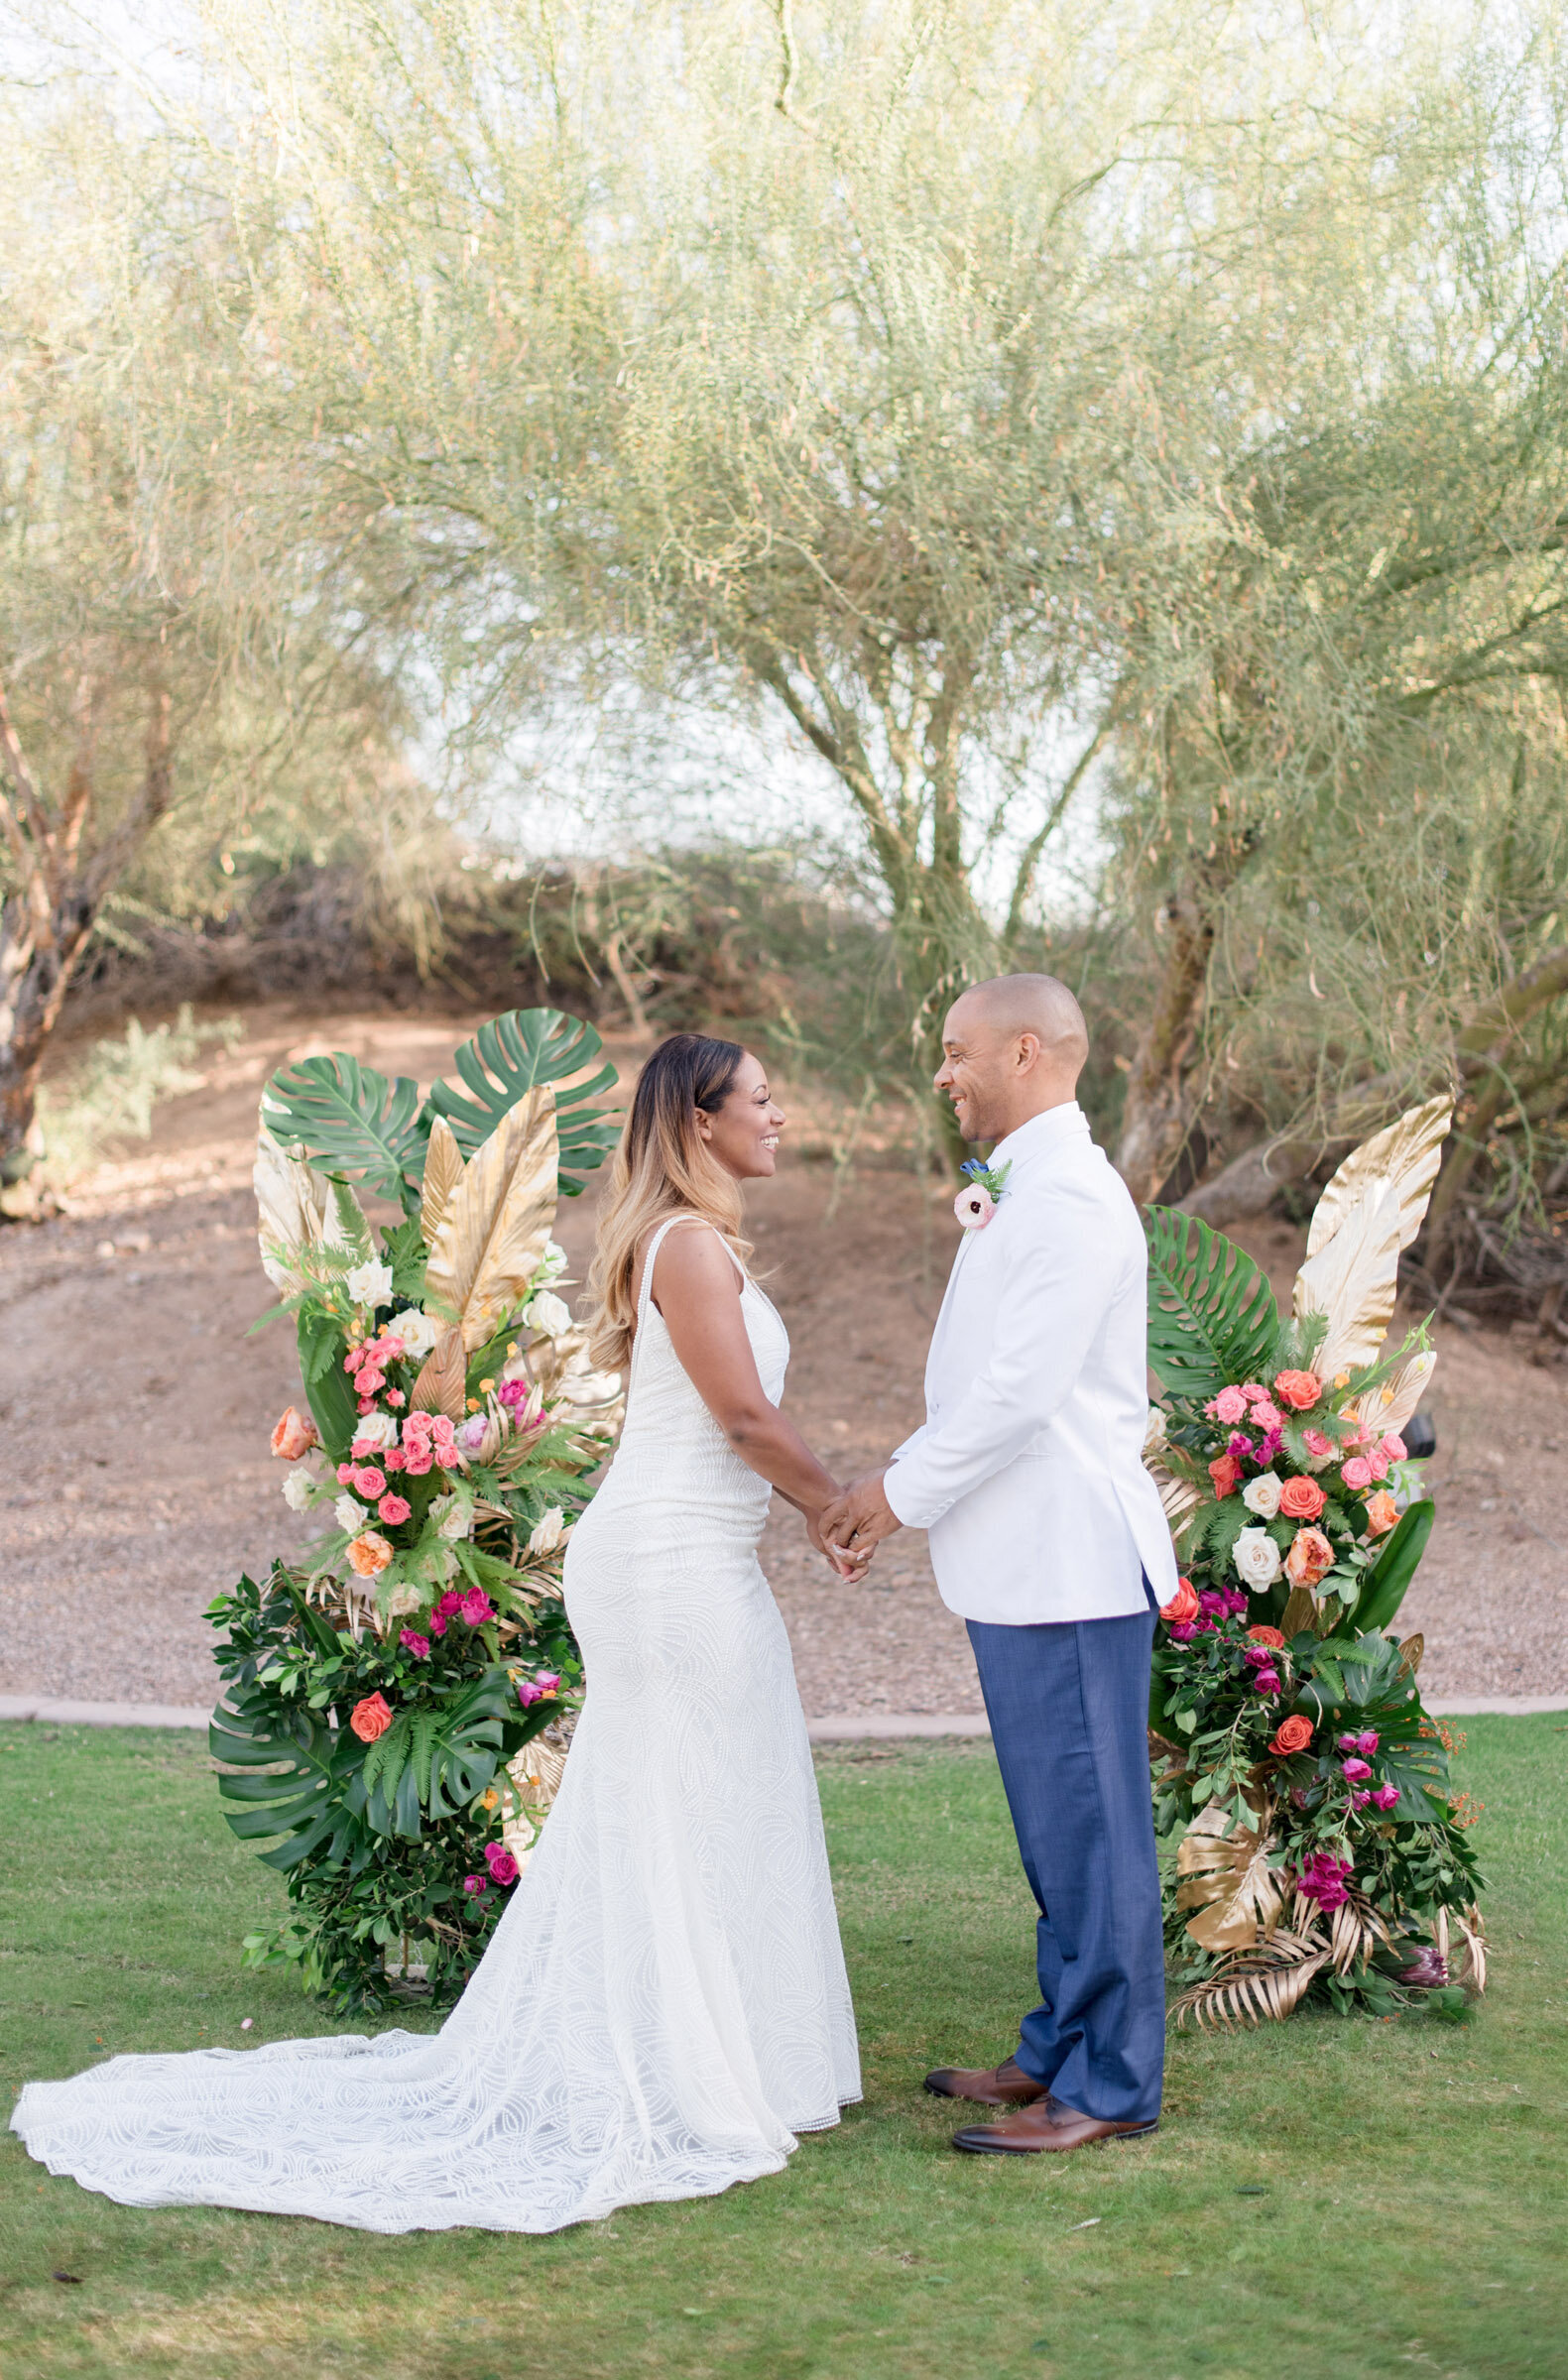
(692, 1261)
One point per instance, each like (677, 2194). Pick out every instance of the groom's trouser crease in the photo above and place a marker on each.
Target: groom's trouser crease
(1068, 1705)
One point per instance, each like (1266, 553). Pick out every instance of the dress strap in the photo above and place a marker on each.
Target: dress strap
(669, 1223)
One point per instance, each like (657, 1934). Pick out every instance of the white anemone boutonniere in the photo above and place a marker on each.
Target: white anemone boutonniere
(975, 1206)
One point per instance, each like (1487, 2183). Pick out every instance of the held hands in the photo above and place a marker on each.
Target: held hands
(849, 1566)
(855, 1522)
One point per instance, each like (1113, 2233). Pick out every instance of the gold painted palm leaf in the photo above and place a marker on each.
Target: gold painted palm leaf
(1367, 1215)
(444, 1171)
(1257, 1986)
(494, 1225)
(1227, 1878)
(1179, 1498)
(298, 1208)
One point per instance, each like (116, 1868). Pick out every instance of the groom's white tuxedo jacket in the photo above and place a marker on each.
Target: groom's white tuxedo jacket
(1029, 1471)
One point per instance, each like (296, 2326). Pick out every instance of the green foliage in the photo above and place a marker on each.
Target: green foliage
(353, 1123)
(1384, 1584)
(110, 1092)
(1212, 1316)
(506, 1059)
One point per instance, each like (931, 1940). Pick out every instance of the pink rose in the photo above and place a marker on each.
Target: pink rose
(417, 1461)
(503, 1867)
(1377, 1463)
(293, 1436)
(393, 1508)
(451, 1602)
(475, 1884)
(1229, 1406)
(1253, 1389)
(369, 1483)
(345, 1475)
(1266, 1681)
(1357, 1473)
(1317, 1446)
(1266, 1416)
(477, 1607)
(1393, 1447)
(419, 1646)
(1354, 1770)
(1386, 1796)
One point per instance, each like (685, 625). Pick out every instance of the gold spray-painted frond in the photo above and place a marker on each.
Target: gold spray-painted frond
(492, 1235)
(444, 1171)
(442, 1379)
(1179, 1497)
(1261, 1986)
(1384, 1411)
(1227, 1878)
(1369, 1213)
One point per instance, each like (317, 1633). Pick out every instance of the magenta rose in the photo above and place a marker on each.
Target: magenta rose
(503, 1867)
(1386, 1796)
(1355, 1770)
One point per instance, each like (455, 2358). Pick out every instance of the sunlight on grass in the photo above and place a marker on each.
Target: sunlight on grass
(1338, 2199)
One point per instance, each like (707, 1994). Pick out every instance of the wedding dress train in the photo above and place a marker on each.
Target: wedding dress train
(663, 2004)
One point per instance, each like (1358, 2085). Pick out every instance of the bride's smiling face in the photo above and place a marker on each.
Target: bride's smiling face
(744, 1133)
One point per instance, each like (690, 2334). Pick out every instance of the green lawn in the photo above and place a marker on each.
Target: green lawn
(1324, 2198)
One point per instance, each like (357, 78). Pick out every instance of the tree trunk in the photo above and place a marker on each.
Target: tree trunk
(33, 983)
(1162, 1100)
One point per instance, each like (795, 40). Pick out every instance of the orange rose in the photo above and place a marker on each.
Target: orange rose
(1183, 1605)
(1311, 1557)
(368, 1554)
(1224, 1470)
(1270, 1636)
(1300, 1390)
(1301, 1500)
(293, 1436)
(1382, 1513)
(371, 1718)
(1292, 1735)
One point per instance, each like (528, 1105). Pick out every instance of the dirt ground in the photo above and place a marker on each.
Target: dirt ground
(136, 1413)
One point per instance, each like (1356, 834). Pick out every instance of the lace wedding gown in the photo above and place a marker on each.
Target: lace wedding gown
(663, 2005)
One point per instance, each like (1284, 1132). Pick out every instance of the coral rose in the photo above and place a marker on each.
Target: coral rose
(1183, 1605)
(371, 1718)
(1301, 1500)
(1311, 1557)
(1269, 1636)
(1224, 1471)
(1382, 1513)
(293, 1436)
(368, 1554)
(1292, 1734)
(1301, 1391)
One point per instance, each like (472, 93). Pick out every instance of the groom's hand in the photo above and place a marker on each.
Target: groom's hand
(847, 1566)
(862, 1516)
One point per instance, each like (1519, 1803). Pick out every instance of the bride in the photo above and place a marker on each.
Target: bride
(663, 2005)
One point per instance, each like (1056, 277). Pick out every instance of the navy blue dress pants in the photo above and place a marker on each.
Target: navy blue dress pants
(1068, 1704)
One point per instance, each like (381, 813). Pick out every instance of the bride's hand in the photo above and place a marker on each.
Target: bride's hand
(849, 1567)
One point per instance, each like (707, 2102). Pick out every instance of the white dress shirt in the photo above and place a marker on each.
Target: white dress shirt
(1029, 1471)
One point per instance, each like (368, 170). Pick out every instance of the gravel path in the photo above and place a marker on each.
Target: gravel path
(137, 1413)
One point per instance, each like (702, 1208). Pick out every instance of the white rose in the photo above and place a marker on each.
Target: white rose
(404, 1600)
(298, 1487)
(453, 1517)
(1257, 1559)
(549, 1532)
(552, 1263)
(370, 1284)
(350, 1514)
(375, 1429)
(1261, 1495)
(549, 1313)
(416, 1329)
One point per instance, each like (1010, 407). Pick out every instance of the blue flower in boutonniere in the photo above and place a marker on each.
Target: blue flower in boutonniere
(975, 1206)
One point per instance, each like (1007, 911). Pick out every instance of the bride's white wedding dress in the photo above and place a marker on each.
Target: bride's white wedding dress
(663, 2005)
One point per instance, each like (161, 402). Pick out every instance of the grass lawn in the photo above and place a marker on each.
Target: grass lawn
(1324, 2197)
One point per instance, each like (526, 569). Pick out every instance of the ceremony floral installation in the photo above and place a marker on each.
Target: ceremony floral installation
(1322, 1852)
(382, 1698)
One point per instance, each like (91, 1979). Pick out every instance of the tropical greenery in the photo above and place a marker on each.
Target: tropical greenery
(377, 1696)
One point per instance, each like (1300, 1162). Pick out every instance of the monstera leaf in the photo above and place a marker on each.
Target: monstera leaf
(304, 1791)
(1212, 1316)
(1364, 1682)
(432, 1763)
(353, 1122)
(506, 1059)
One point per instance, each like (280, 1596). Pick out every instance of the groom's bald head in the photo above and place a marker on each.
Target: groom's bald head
(1012, 1047)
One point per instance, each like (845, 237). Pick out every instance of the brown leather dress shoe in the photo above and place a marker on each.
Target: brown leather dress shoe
(1048, 2126)
(1003, 2085)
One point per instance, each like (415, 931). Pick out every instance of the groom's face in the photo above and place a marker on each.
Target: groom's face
(979, 1067)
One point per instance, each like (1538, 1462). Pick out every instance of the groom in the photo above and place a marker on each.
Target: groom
(1048, 1538)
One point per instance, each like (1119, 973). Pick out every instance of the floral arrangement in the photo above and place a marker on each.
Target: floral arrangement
(1322, 1853)
(383, 1697)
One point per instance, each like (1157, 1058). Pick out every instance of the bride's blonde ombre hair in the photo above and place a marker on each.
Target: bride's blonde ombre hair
(663, 1168)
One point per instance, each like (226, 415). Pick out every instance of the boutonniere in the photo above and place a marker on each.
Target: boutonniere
(975, 1206)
